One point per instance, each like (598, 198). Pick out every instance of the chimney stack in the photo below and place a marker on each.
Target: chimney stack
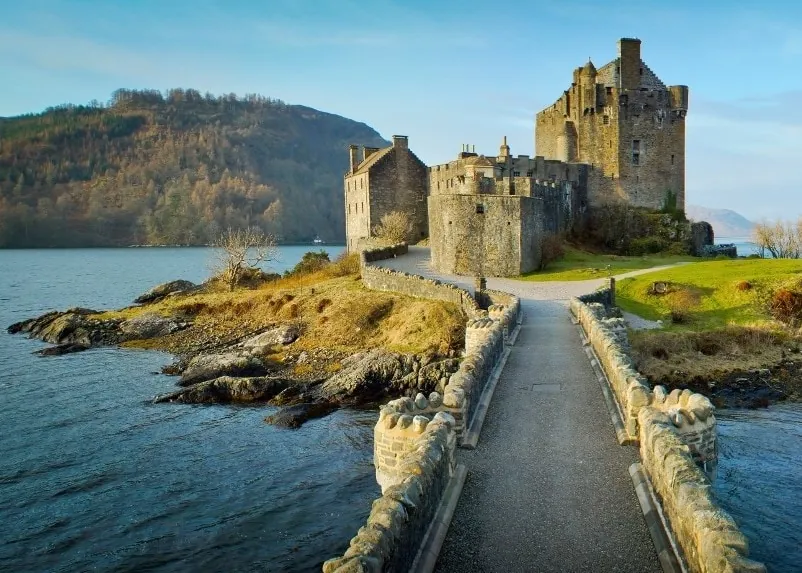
(353, 150)
(401, 141)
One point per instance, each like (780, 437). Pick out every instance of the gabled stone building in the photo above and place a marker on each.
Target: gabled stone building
(627, 125)
(382, 181)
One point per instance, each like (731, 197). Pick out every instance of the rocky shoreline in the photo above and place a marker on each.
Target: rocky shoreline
(217, 366)
(757, 388)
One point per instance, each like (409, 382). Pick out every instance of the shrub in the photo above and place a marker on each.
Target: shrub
(344, 265)
(681, 304)
(393, 228)
(786, 306)
(646, 246)
(743, 286)
(310, 263)
(551, 250)
(677, 248)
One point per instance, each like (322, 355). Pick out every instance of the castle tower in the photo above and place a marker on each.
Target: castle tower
(627, 125)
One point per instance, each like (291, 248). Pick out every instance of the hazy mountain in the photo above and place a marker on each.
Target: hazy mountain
(726, 223)
(173, 168)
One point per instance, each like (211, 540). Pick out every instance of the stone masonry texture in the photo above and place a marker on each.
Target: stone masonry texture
(627, 125)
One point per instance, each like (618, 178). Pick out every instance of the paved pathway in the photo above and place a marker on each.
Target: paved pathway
(548, 487)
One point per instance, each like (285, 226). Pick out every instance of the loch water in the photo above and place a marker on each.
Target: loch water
(759, 480)
(93, 477)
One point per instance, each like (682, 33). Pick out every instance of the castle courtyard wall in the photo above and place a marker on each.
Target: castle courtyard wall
(484, 235)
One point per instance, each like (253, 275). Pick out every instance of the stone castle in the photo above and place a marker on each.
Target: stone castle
(617, 135)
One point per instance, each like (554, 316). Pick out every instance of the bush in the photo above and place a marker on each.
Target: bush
(743, 286)
(393, 228)
(310, 263)
(646, 246)
(681, 304)
(786, 306)
(344, 265)
(551, 250)
(677, 248)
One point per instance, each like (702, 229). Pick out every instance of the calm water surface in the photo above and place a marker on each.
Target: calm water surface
(93, 477)
(759, 480)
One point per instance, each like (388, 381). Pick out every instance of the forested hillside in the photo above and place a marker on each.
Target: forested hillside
(174, 168)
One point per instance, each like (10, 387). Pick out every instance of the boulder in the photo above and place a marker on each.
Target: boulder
(295, 416)
(280, 335)
(159, 292)
(150, 325)
(378, 374)
(58, 350)
(73, 326)
(210, 366)
(226, 389)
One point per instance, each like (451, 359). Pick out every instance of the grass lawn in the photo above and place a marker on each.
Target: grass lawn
(716, 300)
(580, 265)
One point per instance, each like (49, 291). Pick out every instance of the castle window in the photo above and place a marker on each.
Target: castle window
(606, 120)
(349, 205)
(641, 71)
(529, 173)
(636, 149)
(609, 91)
(480, 209)
(516, 173)
(363, 206)
(672, 159)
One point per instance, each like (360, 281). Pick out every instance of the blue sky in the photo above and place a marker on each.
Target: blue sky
(442, 72)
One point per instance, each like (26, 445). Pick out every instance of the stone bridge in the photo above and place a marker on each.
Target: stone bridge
(549, 485)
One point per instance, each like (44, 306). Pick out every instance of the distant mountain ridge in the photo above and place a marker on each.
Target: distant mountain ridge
(726, 222)
(174, 168)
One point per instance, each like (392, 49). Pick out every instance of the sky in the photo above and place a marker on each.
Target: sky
(442, 72)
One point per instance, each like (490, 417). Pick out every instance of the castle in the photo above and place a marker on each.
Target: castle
(617, 135)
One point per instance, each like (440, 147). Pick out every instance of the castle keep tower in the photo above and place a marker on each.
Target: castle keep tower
(626, 125)
(382, 181)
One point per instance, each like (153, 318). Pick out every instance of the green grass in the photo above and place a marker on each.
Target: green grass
(714, 284)
(580, 265)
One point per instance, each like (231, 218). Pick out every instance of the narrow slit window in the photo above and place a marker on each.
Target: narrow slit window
(480, 209)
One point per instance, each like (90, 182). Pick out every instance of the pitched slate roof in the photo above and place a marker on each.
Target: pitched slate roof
(365, 166)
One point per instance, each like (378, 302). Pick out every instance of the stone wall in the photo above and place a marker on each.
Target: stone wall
(422, 456)
(415, 440)
(485, 235)
(372, 254)
(383, 279)
(676, 432)
(485, 336)
(710, 540)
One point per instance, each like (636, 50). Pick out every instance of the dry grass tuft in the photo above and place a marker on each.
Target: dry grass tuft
(743, 286)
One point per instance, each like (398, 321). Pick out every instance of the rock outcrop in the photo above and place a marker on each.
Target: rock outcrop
(150, 325)
(209, 366)
(227, 389)
(161, 291)
(295, 416)
(73, 326)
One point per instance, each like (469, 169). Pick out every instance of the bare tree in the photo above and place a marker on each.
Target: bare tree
(241, 250)
(394, 227)
(782, 239)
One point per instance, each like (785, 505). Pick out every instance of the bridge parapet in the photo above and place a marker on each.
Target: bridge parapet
(415, 439)
(676, 432)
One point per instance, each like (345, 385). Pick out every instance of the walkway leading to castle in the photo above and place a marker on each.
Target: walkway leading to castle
(548, 487)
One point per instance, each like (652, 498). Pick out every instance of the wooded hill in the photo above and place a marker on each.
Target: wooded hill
(174, 168)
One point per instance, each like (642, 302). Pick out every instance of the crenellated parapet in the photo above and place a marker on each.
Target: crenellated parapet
(423, 465)
(676, 433)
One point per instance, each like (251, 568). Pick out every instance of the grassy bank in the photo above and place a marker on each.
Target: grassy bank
(717, 331)
(714, 294)
(579, 265)
(331, 308)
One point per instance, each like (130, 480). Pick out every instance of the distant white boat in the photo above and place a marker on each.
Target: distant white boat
(318, 241)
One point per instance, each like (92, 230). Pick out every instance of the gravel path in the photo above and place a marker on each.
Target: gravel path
(548, 487)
